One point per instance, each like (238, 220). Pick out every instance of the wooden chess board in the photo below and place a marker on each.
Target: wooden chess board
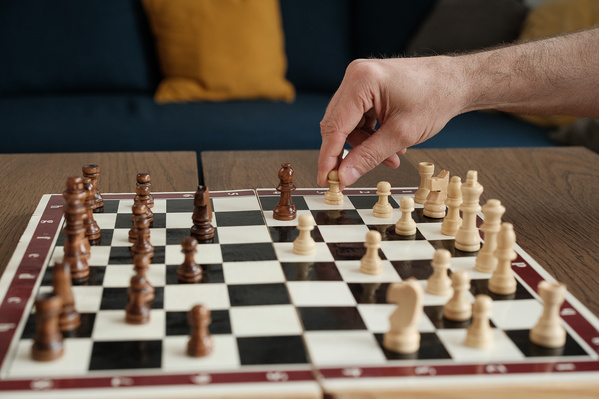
(283, 324)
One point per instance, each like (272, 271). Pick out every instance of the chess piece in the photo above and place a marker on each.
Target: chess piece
(93, 173)
(458, 308)
(467, 238)
(142, 243)
(434, 206)
(142, 193)
(200, 343)
(304, 244)
(406, 226)
(439, 282)
(69, 318)
(479, 334)
(189, 271)
(382, 208)
(285, 210)
(76, 247)
(453, 221)
(333, 196)
(137, 311)
(141, 265)
(548, 332)
(92, 230)
(47, 342)
(136, 210)
(371, 262)
(403, 336)
(502, 280)
(426, 170)
(486, 262)
(202, 229)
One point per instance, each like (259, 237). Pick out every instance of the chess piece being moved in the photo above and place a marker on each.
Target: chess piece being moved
(479, 334)
(69, 318)
(189, 271)
(93, 173)
(502, 280)
(200, 343)
(458, 308)
(285, 210)
(76, 247)
(371, 262)
(467, 238)
(92, 230)
(486, 262)
(382, 208)
(406, 226)
(548, 332)
(453, 221)
(142, 193)
(333, 196)
(142, 243)
(439, 282)
(202, 228)
(403, 335)
(304, 244)
(138, 310)
(47, 342)
(426, 170)
(141, 265)
(434, 206)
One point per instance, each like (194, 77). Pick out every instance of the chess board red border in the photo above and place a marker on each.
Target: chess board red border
(43, 230)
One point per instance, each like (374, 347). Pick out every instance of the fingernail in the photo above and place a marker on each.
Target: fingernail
(349, 176)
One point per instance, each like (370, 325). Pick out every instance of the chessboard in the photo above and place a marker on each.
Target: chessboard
(283, 325)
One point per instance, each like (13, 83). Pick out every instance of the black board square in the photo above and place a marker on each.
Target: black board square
(290, 233)
(177, 323)
(435, 315)
(324, 318)
(211, 274)
(450, 246)
(105, 239)
(117, 298)
(529, 349)
(110, 206)
(368, 201)
(431, 347)
(420, 269)
(269, 203)
(180, 205)
(388, 233)
(96, 276)
(115, 355)
(83, 331)
(123, 221)
(349, 250)
(369, 292)
(337, 217)
(159, 221)
(311, 271)
(258, 294)
(248, 252)
(239, 218)
(272, 350)
(418, 216)
(122, 255)
(482, 287)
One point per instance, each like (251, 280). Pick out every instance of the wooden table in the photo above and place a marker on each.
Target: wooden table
(550, 195)
(26, 177)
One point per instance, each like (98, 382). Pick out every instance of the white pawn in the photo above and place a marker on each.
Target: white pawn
(426, 170)
(502, 280)
(439, 282)
(382, 208)
(333, 196)
(406, 226)
(468, 238)
(458, 308)
(480, 335)
(403, 335)
(304, 244)
(548, 332)
(371, 262)
(453, 221)
(486, 262)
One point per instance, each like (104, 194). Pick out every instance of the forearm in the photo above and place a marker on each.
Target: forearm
(552, 76)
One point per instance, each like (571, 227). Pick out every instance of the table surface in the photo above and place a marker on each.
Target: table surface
(26, 177)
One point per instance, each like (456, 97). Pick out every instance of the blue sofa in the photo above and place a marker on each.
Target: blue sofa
(79, 76)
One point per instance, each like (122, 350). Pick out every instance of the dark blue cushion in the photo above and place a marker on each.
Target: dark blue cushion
(66, 45)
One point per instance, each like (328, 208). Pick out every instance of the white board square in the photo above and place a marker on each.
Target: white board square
(272, 320)
(235, 203)
(376, 317)
(316, 202)
(99, 256)
(369, 218)
(253, 272)
(407, 250)
(105, 220)
(111, 325)
(284, 251)
(120, 275)
(503, 349)
(271, 221)
(207, 254)
(516, 315)
(243, 234)
(350, 271)
(348, 233)
(183, 297)
(432, 231)
(343, 348)
(181, 220)
(224, 356)
(320, 293)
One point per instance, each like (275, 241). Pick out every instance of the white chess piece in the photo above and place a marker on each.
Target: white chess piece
(453, 221)
(434, 206)
(486, 262)
(458, 308)
(371, 262)
(406, 226)
(548, 332)
(403, 335)
(333, 196)
(439, 282)
(479, 334)
(467, 238)
(382, 208)
(426, 170)
(304, 244)
(502, 280)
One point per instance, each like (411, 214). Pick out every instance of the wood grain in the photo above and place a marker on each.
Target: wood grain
(550, 194)
(26, 177)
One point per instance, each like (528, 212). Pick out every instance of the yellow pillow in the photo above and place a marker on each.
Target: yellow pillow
(552, 19)
(219, 50)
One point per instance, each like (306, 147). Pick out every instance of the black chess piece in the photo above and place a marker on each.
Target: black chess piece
(285, 209)
(202, 228)
(189, 271)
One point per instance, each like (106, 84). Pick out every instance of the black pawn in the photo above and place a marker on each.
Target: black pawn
(285, 210)
(137, 311)
(189, 271)
(200, 343)
(141, 265)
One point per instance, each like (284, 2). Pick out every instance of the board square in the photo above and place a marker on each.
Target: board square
(333, 234)
(368, 201)
(311, 271)
(110, 206)
(110, 326)
(337, 217)
(248, 252)
(343, 348)
(320, 293)
(521, 339)
(260, 321)
(179, 205)
(122, 255)
(246, 234)
(449, 244)
(287, 349)
(269, 203)
(369, 292)
(331, 318)
(431, 347)
(212, 274)
(388, 233)
(182, 297)
(118, 355)
(253, 272)
(482, 287)
(235, 203)
(258, 294)
(290, 233)
(350, 271)
(175, 236)
(224, 356)
(177, 323)
(350, 250)
(239, 218)
(118, 298)
(285, 253)
(407, 250)
(420, 269)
